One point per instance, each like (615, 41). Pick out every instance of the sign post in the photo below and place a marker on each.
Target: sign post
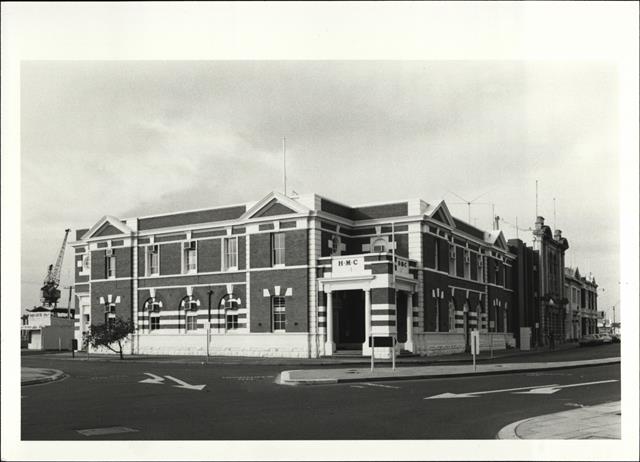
(373, 349)
(475, 346)
(393, 354)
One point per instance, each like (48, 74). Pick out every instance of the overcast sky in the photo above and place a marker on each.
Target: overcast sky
(131, 138)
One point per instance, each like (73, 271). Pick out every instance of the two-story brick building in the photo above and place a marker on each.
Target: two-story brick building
(582, 293)
(302, 277)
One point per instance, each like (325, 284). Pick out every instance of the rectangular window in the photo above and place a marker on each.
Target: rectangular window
(277, 247)
(111, 267)
(279, 313)
(192, 322)
(467, 265)
(154, 323)
(189, 257)
(435, 253)
(153, 260)
(452, 259)
(232, 321)
(480, 268)
(231, 253)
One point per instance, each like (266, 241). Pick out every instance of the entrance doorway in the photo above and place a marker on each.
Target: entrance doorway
(349, 329)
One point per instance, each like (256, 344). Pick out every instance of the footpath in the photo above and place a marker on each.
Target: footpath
(326, 376)
(590, 422)
(33, 376)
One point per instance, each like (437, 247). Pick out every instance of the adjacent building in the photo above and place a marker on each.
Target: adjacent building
(582, 293)
(303, 277)
(47, 329)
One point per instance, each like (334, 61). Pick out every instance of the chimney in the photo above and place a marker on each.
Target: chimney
(496, 223)
(539, 223)
(557, 235)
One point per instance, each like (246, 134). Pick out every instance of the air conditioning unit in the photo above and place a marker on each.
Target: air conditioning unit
(452, 252)
(154, 248)
(155, 308)
(480, 262)
(109, 252)
(467, 258)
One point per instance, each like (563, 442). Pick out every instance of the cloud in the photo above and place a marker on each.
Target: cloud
(137, 138)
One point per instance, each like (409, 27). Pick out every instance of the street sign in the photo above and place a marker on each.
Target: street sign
(475, 342)
(382, 341)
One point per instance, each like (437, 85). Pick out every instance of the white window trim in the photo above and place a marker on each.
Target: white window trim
(283, 249)
(186, 270)
(188, 317)
(111, 265)
(224, 254)
(147, 262)
(273, 315)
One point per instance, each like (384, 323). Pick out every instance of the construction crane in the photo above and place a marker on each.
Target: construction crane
(49, 293)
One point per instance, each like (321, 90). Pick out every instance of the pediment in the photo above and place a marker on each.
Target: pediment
(107, 229)
(274, 204)
(441, 213)
(107, 226)
(273, 208)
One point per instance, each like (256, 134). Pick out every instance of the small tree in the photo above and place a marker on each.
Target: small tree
(107, 334)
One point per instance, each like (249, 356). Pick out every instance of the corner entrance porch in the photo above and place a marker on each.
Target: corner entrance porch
(364, 295)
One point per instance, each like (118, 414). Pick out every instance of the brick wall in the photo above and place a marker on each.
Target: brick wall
(98, 269)
(296, 305)
(115, 288)
(209, 255)
(260, 246)
(170, 258)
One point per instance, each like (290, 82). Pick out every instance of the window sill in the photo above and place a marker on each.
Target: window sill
(279, 265)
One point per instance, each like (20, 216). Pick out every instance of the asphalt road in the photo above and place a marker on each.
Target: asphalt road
(243, 402)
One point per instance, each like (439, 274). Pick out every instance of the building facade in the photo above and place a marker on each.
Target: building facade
(582, 293)
(297, 277)
(551, 300)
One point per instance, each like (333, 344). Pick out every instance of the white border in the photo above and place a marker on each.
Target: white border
(409, 30)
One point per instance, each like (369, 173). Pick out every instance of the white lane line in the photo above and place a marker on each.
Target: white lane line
(106, 431)
(379, 385)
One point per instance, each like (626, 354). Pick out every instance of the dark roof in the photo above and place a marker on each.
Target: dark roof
(467, 228)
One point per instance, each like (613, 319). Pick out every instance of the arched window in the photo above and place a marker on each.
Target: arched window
(153, 308)
(379, 245)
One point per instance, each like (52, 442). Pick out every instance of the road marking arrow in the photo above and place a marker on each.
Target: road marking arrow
(154, 379)
(531, 390)
(474, 394)
(182, 384)
(553, 389)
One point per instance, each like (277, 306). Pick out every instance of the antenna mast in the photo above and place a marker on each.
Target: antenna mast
(284, 163)
(536, 198)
